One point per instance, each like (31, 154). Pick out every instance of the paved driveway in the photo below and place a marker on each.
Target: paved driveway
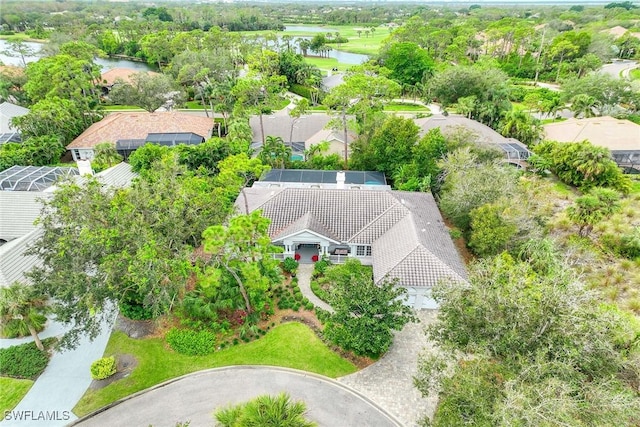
(195, 397)
(389, 382)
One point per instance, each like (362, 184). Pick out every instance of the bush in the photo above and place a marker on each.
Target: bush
(321, 266)
(300, 90)
(135, 311)
(289, 265)
(103, 368)
(23, 361)
(319, 292)
(191, 343)
(308, 306)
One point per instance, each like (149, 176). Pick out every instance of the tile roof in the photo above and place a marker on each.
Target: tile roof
(14, 263)
(279, 124)
(408, 236)
(119, 175)
(451, 122)
(614, 134)
(7, 112)
(138, 125)
(12, 110)
(18, 211)
(109, 77)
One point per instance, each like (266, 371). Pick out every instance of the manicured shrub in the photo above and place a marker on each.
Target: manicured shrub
(191, 343)
(321, 266)
(309, 306)
(23, 361)
(103, 368)
(298, 296)
(289, 265)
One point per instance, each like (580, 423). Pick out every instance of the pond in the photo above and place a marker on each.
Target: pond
(341, 56)
(106, 63)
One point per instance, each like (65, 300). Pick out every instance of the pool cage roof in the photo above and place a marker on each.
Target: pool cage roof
(10, 137)
(324, 177)
(32, 178)
(515, 151)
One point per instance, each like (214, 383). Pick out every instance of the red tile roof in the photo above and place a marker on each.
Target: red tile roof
(109, 77)
(139, 124)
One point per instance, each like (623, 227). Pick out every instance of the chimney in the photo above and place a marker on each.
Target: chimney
(84, 167)
(340, 180)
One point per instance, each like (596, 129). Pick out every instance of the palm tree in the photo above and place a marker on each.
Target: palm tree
(106, 153)
(520, 125)
(266, 411)
(21, 303)
(275, 153)
(584, 105)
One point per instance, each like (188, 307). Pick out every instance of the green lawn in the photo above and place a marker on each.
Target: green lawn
(13, 391)
(122, 108)
(401, 106)
(291, 345)
(326, 64)
(634, 74)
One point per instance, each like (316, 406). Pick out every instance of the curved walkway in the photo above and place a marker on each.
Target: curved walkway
(195, 397)
(389, 381)
(304, 283)
(54, 394)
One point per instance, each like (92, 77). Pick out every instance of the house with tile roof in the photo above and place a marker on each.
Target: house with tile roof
(136, 128)
(515, 152)
(400, 234)
(21, 201)
(8, 111)
(114, 75)
(621, 137)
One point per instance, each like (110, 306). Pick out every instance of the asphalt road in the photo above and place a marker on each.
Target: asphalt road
(619, 68)
(195, 397)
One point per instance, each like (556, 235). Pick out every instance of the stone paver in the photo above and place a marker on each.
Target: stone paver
(304, 283)
(389, 382)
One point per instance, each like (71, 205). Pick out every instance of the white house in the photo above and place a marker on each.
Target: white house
(401, 234)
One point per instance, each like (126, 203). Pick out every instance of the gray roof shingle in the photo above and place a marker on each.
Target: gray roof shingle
(13, 261)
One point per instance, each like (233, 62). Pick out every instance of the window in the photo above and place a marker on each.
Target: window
(363, 250)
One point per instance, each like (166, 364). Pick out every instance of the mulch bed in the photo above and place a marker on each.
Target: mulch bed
(124, 365)
(135, 328)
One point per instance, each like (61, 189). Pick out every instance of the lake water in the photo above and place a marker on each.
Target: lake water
(106, 63)
(341, 56)
(109, 63)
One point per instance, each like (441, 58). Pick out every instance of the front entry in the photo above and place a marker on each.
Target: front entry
(308, 253)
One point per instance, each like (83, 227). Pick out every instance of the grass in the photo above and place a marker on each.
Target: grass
(326, 64)
(634, 74)
(122, 108)
(291, 345)
(13, 390)
(401, 106)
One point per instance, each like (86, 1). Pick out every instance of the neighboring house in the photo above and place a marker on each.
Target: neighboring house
(129, 131)
(621, 137)
(279, 125)
(22, 191)
(8, 133)
(619, 31)
(335, 138)
(401, 234)
(515, 152)
(111, 77)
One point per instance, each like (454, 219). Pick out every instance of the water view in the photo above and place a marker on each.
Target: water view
(106, 63)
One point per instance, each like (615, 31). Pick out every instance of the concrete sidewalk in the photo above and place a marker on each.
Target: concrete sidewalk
(54, 394)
